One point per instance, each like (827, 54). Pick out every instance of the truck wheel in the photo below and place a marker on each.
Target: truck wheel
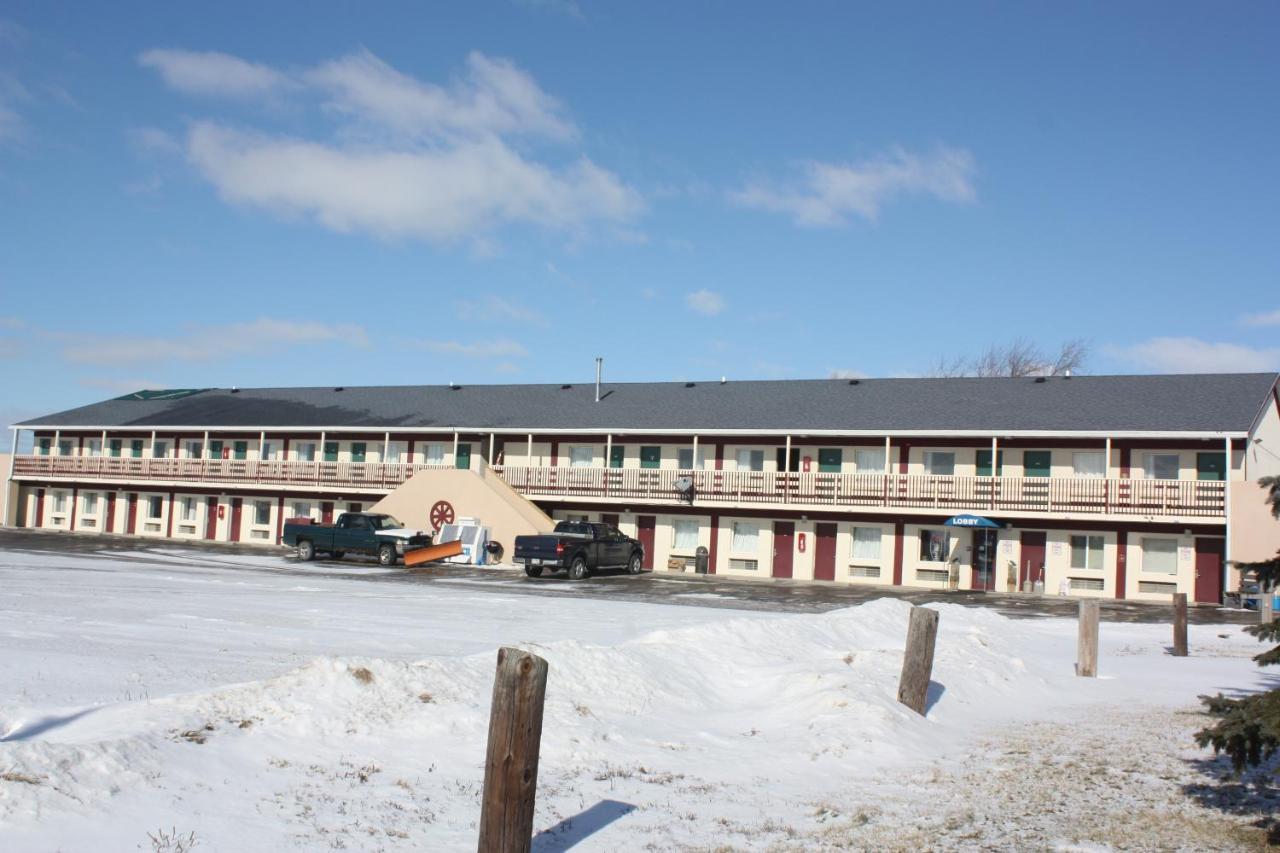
(634, 566)
(306, 551)
(533, 571)
(386, 555)
(577, 569)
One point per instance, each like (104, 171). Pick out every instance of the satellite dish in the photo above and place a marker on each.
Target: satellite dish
(684, 486)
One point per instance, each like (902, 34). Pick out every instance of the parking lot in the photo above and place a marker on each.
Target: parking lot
(679, 589)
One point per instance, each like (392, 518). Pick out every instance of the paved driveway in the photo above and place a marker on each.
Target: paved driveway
(687, 589)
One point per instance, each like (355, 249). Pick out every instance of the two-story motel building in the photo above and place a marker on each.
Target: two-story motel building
(1115, 486)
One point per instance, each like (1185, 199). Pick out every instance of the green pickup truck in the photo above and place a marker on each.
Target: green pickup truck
(355, 533)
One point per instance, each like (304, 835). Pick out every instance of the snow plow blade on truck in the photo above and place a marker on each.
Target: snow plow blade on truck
(432, 553)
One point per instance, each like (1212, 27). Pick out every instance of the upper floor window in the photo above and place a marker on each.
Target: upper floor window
(1036, 463)
(869, 461)
(393, 453)
(1089, 463)
(43, 446)
(306, 451)
(268, 450)
(93, 447)
(617, 455)
(116, 446)
(650, 456)
(241, 450)
(357, 451)
(940, 463)
(160, 450)
(1160, 466)
(435, 454)
(750, 460)
(195, 449)
(684, 458)
(581, 456)
(66, 448)
(135, 448)
(331, 451)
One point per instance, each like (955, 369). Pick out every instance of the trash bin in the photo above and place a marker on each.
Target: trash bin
(700, 560)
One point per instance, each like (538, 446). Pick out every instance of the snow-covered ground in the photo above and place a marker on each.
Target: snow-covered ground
(262, 709)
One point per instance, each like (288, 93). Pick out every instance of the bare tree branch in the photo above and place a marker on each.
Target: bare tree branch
(1019, 358)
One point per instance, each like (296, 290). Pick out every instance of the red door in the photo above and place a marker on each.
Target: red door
(38, 521)
(109, 526)
(211, 518)
(784, 544)
(131, 520)
(1209, 553)
(1032, 563)
(326, 512)
(236, 505)
(645, 524)
(824, 553)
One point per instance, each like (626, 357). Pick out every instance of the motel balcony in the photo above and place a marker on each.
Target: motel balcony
(907, 494)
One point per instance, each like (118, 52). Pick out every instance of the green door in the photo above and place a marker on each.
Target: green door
(357, 451)
(1035, 463)
(830, 459)
(1211, 466)
(116, 445)
(463, 459)
(650, 457)
(984, 464)
(241, 450)
(616, 455)
(331, 451)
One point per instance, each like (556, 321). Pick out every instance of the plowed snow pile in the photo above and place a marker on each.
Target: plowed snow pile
(720, 728)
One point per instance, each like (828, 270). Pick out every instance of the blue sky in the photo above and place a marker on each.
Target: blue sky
(276, 194)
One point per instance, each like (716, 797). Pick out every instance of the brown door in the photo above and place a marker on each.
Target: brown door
(211, 518)
(784, 543)
(131, 520)
(609, 518)
(110, 525)
(237, 504)
(326, 512)
(38, 521)
(1209, 554)
(824, 553)
(644, 525)
(1031, 565)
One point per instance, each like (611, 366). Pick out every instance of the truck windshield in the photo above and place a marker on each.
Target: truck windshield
(384, 522)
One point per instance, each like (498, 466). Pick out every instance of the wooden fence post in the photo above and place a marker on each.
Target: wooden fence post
(1265, 602)
(917, 662)
(1180, 624)
(1087, 643)
(511, 763)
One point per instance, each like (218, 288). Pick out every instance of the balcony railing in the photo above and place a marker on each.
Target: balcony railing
(374, 476)
(1063, 495)
(1091, 496)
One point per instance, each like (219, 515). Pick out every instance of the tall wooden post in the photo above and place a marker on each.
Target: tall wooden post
(1266, 599)
(1087, 644)
(917, 662)
(511, 763)
(1180, 624)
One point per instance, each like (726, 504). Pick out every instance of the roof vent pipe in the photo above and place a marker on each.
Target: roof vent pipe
(599, 366)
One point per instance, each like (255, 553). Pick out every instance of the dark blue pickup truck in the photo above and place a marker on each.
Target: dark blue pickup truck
(357, 533)
(579, 548)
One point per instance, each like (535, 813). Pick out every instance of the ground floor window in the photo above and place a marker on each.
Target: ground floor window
(1086, 552)
(934, 545)
(155, 507)
(188, 509)
(59, 502)
(301, 509)
(1160, 556)
(91, 503)
(262, 512)
(746, 537)
(684, 535)
(866, 544)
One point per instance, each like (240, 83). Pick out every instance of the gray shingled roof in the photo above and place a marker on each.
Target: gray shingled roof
(1186, 403)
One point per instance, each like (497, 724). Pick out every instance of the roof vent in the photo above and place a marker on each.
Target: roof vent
(855, 381)
(340, 388)
(690, 384)
(1041, 379)
(724, 379)
(565, 387)
(235, 390)
(1066, 374)
(454, 387)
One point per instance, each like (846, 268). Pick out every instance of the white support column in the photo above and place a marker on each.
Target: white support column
(1226, 511)
(491, 446)
(995, 456)
(320, 449)
(528, 459)
(56, 449)
(1106, 465)
(695, 451)
(204, 447)
(8, 483)
(608, 450)
(102, 451)
(386, 447)
(888, 448)
(262, 443)
(455, 449)
(786, 458)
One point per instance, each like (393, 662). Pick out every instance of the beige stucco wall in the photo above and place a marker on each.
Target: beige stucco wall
(477, 493)
(1255, 535)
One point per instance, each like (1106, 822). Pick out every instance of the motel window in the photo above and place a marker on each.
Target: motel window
(750, 460)
(617, 454)
(59, 502)
(783, 463)
(261, 512)
(983, 460)
(357, 451)
(241, 450)
(934, 546)
(1089, 463)
(155, 506)
(135, 448)
(684, 458)
(161, 450)
(1211, 466)
(866, 544)
(188, 509)
(268, 451)
(331, 451)
(746, 537)
(306, 451)
(91, 503)
(1036, 463)
(93, 447)
(393, 453)
(301, 509)
(1086, 552)
(195, 449)
(435, 454)
(581, 456)
(116, 446)
(830, 460)
(940, 463)
(65, 448)
(1160, 556)
(869, 461)
(42, 449)
(650, 456)
(215, 449)
(684, 535)
(1160, 466)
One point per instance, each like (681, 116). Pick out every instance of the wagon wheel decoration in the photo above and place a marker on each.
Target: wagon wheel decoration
(441, 514)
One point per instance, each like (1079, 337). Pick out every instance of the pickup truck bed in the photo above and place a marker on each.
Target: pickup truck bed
(579, 548)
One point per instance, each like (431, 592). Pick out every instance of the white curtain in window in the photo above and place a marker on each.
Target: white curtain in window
(940, 463)
(1160, 556)
(581, 457)
(1161, 466)
(746, 537)
(91, 504)
(869, 461)
(435, 454)
(866, 543)
(685, 536)
(393, 452)
(1089, 463)
(744, 459)
(188, 509)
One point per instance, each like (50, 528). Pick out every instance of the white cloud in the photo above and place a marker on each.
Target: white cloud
(152, 141)
(828, 193)
(208, 343)
(1264, 318)
(498, 348)
(212, 73)
(1191, 355)
(490, 308)
(705, 302)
